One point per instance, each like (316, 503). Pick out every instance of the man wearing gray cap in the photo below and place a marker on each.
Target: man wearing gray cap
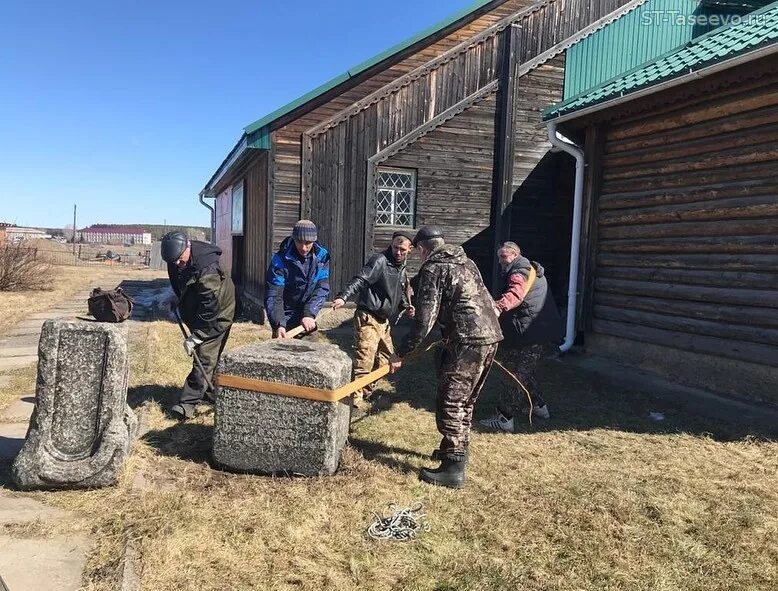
(298, 281)
(452, 294)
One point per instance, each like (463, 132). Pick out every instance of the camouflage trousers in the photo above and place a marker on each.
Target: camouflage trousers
(523, 363)
(372, 347)
(462, 370)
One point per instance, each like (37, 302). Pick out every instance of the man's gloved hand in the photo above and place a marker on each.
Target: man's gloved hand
(191, 343)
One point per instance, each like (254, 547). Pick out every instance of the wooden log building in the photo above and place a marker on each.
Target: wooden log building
(444, 128)
(679, 257)
(678, 250)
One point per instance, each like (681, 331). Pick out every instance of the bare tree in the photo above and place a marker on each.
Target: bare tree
(20, 269)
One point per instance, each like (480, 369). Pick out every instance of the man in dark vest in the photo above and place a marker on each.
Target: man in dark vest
(206, 304)
(532, 327)
(381, 287)
(298, 281)
(452, 294)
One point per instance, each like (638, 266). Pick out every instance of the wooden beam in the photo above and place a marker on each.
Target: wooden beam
(505, 132)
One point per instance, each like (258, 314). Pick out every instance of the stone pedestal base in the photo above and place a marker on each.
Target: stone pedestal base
(81, 430)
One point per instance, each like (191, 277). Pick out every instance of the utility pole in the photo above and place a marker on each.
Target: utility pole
(74, 228)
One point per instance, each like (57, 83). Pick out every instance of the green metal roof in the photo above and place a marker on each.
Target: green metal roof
(646, 33)
(752, 31)
(358, 69)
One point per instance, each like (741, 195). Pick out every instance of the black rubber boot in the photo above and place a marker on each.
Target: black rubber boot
(450, 474)
(182, 412)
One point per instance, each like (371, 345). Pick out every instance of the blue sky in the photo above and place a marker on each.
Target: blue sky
(127, 107)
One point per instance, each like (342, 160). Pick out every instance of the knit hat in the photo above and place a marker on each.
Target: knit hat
(305, 230)
(404, 234)
(511, 246)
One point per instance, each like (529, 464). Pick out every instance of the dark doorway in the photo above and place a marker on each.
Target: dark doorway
(541, 219)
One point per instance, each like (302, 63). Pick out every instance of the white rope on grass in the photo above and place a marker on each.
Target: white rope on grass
(401, 525)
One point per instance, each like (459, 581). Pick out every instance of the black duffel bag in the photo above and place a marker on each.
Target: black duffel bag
(110, 306)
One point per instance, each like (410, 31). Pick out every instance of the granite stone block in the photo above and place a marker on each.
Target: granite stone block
(267, 433)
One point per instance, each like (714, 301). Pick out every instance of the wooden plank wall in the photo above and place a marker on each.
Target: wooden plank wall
(255, 226)
(688, 225)
(287, 141)
(538, 89)
(541, 211)
(342, 202)
(454, 174)
(223, 238)
(454, 179)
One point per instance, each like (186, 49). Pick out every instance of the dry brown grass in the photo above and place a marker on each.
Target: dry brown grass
(21, 383)
(599, 498)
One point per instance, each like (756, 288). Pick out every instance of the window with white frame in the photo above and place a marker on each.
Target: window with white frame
(396, 197)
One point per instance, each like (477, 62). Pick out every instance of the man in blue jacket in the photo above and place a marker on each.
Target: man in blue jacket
(298, 281)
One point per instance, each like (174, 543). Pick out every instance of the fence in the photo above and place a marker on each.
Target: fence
(90, 257)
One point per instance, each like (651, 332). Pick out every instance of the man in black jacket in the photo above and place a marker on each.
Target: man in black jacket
(206, 303)
(452, 294)
(381, 287)
(532, 327)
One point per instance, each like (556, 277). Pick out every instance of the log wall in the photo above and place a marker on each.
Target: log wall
(687, 251)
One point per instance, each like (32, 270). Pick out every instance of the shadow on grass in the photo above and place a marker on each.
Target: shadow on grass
(578, 401)
(386, 454)
(191, 442)
(165, 396)
(5, 476)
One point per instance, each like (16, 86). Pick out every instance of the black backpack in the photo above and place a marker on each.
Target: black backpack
(110, 306)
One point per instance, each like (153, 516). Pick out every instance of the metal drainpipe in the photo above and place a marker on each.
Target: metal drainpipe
(572, 291)
(213, 218)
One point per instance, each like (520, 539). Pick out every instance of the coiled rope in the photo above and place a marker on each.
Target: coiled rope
(401, 525)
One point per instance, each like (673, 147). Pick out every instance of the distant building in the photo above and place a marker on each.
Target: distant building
(100, 234)
(16, 234)
(3, 227)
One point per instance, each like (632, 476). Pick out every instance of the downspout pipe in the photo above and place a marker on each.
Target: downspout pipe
(213, 217)
(559, 141)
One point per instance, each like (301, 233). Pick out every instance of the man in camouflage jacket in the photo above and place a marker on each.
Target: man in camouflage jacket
(451, 292)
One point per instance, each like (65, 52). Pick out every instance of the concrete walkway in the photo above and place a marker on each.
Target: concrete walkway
(27, 563)
(43, 564)
(20, 347)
